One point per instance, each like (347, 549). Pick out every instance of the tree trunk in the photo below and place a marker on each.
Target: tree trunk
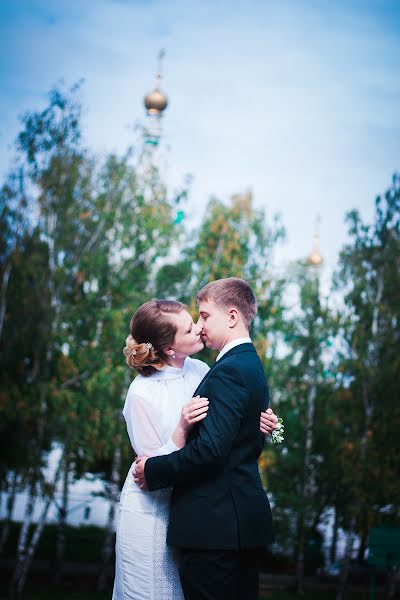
(10, 507)
(62, 519)
(113, 495)
(316, 520)
(363, 540)
(3, 296)
(358, 481)
(7, 270)
(300, 556)
(344, 574)
(332, 550)
(24, 562)
(24, 531)
(307, 484)
(114, 498)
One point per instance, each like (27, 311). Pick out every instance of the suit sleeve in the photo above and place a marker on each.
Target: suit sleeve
(228, 405)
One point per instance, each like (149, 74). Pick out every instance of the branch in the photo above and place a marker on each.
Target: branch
(76, 379)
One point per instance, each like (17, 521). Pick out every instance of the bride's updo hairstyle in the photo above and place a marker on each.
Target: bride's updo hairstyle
(152, 332)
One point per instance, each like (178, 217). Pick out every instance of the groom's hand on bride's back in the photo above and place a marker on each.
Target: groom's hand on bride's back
(268, 421)
(139, 477)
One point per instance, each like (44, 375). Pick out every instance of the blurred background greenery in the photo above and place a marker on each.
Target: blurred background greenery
(83, 242)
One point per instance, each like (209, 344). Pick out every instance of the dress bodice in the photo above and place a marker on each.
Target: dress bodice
(153, 406)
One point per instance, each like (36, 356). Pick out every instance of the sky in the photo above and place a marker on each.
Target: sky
(295, 100)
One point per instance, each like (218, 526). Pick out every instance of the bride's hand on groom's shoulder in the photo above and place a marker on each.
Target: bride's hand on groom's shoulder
(192, 412)
(268, 421)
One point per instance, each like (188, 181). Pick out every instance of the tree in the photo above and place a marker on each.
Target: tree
(369, 276)
(96, 234)
(300, 377)
(233, 240)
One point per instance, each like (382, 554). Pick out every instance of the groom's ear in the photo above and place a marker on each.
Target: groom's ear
(233, 317)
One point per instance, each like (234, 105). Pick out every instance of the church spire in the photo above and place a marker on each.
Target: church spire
(155, 102)
(315, 258)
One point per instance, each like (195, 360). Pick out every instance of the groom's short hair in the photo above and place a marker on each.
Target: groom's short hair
(229, 292)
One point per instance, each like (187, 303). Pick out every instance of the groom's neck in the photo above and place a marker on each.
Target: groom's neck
(235, 335)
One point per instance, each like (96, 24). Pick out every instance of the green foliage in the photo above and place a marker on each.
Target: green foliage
(233, 240)
(350, 355)
(369, 275)
(84, 242)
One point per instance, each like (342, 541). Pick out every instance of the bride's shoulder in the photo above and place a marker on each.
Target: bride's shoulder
(138, 392)
(139, 385)
(146, 386)
(199, 366)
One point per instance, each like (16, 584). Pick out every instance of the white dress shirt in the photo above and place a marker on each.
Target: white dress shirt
(233, 344)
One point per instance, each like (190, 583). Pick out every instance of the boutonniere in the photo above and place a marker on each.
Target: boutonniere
(276, 437)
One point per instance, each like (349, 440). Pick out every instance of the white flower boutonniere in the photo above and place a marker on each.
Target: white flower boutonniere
(276, 436)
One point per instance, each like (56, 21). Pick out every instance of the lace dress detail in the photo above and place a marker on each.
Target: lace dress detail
(166, 583)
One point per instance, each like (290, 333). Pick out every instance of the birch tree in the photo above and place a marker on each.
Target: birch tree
(56, 173)
(369, 275)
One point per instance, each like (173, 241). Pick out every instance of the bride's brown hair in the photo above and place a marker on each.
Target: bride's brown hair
(152, 332)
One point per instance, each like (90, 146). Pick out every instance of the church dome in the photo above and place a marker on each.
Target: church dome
(155, 101)
(315, 258)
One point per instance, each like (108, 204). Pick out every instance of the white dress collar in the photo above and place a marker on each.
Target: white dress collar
(233, 344)
(168, 372)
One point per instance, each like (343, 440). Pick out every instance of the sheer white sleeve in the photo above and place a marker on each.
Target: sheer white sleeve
(142, 429)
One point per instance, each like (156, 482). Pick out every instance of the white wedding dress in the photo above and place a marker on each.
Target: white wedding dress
(145, 566)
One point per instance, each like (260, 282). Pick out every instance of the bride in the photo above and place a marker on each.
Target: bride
(158, 417)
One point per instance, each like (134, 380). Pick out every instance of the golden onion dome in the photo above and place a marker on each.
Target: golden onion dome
(155, 101)
(315, 258)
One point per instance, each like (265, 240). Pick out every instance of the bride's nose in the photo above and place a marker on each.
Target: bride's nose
(198, 329)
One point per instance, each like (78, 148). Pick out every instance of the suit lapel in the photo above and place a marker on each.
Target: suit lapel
(206, 376)
(236, 350)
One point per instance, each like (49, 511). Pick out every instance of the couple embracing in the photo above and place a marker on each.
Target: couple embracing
(194, 517)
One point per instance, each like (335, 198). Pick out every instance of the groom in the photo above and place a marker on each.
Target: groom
(220, 517)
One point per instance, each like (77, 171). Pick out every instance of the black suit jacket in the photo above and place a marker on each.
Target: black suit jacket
(218, 501)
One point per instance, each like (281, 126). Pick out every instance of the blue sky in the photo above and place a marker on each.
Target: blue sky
(298, 100)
